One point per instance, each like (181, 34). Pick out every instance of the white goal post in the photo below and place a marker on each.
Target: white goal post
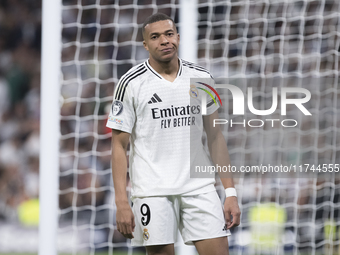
(49, 126)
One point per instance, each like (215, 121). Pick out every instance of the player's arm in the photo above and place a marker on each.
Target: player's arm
(124, 216)
(219, 155)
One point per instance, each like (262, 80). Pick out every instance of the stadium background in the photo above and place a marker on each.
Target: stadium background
(101, 41)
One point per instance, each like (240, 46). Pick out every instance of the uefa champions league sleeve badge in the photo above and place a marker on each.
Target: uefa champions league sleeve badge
(117, 108)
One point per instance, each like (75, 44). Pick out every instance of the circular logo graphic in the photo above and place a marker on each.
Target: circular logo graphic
(117, 108)
(146, 234)
(193, 91)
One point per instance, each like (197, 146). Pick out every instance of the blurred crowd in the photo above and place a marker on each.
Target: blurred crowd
(20, 43)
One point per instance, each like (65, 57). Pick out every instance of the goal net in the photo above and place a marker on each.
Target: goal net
(258, 44)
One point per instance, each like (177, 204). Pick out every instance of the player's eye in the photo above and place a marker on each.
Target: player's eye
(170, 34)
(153, 37)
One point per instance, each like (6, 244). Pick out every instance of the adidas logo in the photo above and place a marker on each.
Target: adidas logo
(155, 99)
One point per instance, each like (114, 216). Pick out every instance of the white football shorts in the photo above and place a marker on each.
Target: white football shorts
(197, 217)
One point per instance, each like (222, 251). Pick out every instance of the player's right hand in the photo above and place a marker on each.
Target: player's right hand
(125, 220)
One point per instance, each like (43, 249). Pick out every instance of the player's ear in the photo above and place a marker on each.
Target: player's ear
(178, 37)
(145, 45)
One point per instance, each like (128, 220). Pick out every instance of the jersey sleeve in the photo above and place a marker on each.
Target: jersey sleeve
(122, 113)
(213, 102)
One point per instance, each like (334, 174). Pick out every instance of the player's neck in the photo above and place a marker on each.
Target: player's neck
(168, 70)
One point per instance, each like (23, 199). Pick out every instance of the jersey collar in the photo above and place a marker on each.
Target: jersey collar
(158, 75)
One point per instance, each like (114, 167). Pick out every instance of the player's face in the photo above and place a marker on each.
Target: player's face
(161, 40)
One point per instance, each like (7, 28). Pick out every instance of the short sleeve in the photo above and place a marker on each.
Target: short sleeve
(122, 113)
(205, 86)
(212, 105)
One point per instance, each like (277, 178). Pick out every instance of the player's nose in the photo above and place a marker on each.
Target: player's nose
(163, 39)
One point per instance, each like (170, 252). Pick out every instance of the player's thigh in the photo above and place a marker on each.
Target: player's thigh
(202, 217)
(156, 221)
(214, 246)
(168, 249)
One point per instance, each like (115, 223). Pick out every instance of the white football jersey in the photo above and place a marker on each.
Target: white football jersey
(159, 116)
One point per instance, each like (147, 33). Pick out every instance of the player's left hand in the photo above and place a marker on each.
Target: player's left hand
(231, 209)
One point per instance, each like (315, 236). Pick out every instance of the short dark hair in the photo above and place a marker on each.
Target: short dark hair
(155, 18)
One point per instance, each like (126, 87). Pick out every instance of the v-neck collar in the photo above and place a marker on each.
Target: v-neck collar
(179, 73)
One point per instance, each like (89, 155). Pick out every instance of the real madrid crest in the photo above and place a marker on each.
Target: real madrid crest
(193, 91)
(146, 234)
